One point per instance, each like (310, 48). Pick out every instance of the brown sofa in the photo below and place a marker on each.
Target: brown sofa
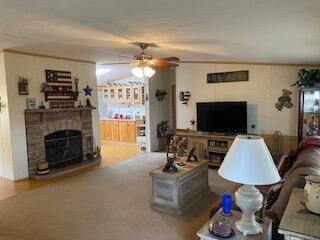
(307, 163)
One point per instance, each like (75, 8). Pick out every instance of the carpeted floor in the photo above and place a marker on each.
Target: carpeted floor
(111, 203)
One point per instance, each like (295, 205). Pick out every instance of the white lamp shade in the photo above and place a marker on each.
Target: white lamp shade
(148, 71)
(249, 161)
(137, 71)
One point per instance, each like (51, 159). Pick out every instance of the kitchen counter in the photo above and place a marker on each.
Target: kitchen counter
(119, 120)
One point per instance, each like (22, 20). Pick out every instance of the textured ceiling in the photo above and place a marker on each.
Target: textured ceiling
(286, 31)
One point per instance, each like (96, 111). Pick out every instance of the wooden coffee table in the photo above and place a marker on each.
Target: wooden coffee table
(176, 192)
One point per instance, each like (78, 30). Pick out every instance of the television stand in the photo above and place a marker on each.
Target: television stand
(212, 146)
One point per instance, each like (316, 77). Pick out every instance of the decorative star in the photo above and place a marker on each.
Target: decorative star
(87, 91)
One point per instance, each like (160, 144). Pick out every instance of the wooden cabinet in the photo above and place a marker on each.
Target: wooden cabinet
(118, 130)
(123, 131)
(309, 115)
(102, 131)
(107, 130)
(124, 94)
(132, 131)
(115, 131)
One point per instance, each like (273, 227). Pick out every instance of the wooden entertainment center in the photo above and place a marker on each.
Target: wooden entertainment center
(211, 147)
(214, 146)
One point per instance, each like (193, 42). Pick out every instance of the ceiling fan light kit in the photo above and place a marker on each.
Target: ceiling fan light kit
(137, 71)
(144, 62)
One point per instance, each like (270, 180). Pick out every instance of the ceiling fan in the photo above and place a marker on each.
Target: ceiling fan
(144, 61)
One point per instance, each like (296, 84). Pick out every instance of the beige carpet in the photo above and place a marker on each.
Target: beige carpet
(111, 203)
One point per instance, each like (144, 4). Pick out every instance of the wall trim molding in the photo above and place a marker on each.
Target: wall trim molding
(254, 63)
(46, 56)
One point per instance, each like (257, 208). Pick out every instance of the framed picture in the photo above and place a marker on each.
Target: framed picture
(31, 103)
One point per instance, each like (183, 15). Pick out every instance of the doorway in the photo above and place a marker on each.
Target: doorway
(121, 100)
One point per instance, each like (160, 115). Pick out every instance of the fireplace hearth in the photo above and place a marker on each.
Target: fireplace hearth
(63, 148)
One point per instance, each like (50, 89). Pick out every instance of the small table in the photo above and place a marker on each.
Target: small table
(204, 233)
(297, 222)
(175, 192)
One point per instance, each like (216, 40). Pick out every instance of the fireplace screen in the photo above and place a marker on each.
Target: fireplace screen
(63, 148)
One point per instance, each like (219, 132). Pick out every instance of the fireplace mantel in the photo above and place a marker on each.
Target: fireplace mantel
(59, 110)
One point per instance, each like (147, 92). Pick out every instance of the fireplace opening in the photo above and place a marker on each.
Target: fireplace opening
(63, 148)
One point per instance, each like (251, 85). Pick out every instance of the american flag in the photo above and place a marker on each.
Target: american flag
(60, 81)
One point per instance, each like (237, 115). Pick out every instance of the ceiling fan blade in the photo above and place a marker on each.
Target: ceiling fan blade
(164, 64)
(169, 59)
(119, 63)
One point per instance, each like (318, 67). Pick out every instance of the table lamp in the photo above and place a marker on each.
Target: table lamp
(249, 162)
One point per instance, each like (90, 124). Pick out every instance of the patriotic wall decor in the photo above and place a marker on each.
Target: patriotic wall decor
(184, 97)
(60, 86)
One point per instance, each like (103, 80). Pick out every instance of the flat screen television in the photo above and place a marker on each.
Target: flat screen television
(222, 117)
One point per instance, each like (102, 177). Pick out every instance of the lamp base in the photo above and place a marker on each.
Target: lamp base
(249, 200)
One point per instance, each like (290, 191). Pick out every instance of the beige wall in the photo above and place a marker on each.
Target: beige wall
(32, 67)
(6, 168)
(157, 111)
(261, 92)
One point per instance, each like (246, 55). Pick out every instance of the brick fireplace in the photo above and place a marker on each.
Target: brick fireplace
(62, 137)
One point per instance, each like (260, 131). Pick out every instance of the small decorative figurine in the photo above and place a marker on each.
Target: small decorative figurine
(170, 167)
(162, 128)
(284, 100)
(80, 105)
(181, 146)
(172, 150)
(193, 124)
(88, 103)
(192, 157)
(45, 87)
(42, 106)
(253, 128)
(87, 91)
(76, 80)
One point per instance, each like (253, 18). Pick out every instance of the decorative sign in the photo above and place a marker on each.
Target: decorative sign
(237, 76)
(31, 103)
(23, 86)
(58, 86)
